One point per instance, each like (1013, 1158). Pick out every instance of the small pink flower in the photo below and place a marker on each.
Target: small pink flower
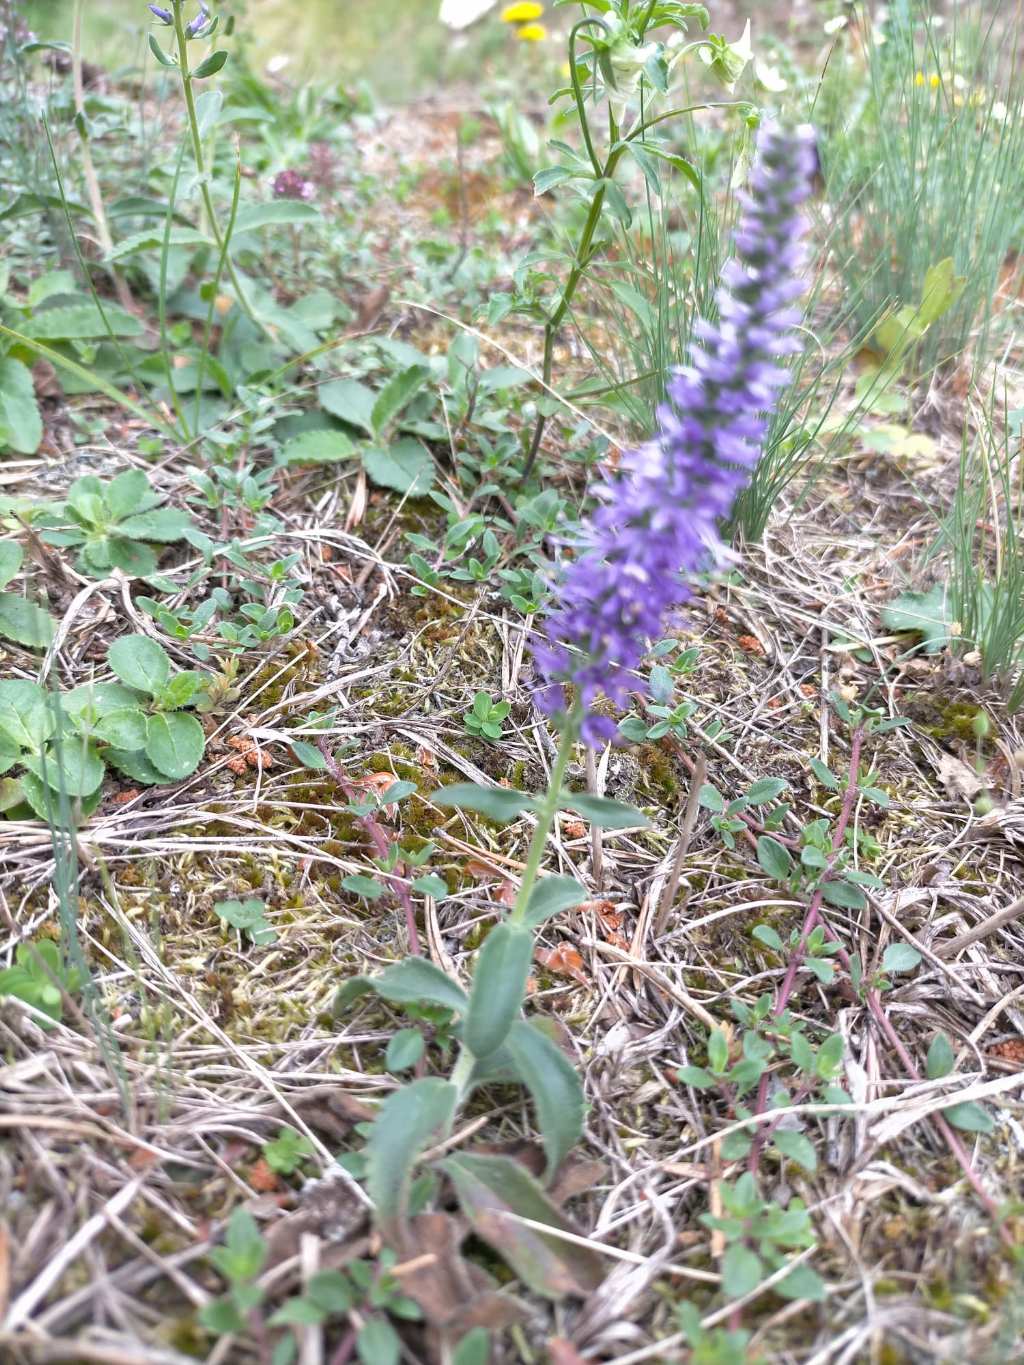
(292, 185)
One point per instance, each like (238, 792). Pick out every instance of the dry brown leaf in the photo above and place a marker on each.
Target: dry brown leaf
(262, 1178)
(959, 778)
(565, 960)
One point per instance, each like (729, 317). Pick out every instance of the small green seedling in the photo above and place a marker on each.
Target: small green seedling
(248, 917)
(114, 525)
(287, 1151)
(485, 719)
(37, 977)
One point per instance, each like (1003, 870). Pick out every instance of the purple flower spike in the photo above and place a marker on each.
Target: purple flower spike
(659, 514)
(164, 15)
(198, 23)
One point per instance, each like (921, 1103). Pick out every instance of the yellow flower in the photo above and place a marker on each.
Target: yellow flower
(531, 33)
(919, 78)
(934, 81)
(522, 12)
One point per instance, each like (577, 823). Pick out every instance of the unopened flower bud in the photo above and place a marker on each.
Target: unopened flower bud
(164, 15)
(727, 61)
(196, 26)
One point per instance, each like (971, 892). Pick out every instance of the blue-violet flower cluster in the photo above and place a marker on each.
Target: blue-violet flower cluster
(658, 515)
(193, 28)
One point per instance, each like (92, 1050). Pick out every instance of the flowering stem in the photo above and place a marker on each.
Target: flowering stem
(200, 158)
(583, 252)
(546, 816)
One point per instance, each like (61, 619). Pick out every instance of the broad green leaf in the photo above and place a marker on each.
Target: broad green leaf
(489, 1187)
(128, 494)
(9, 755)
(274, 213)
(406, 1122)
(802, 1283)
(604, 812)
(162, 524)
(712, 799)
(417, 981)
(718, 1051)
(404, 466)
(395, 397)
(351, 401)
(555, 1088)
(316, 447)
(308, 754)
(697, 1077)
(363, 886)
(497, 803)
(404, 1049)
(244, 1252)
(81, 322)
(774, 858)
(742, 1271)
(764, 933)
(824, 776)
(152, 239)
(297, 1312)
(21, 426)
(134, 764)
(940, 1058)
(174, 744)
(76, 770)
(210, 65)
(11, 557)
(969, 1117)
(550, 896)
(797, 1147)
(378, 1343)
(49, 806)
(88, 702)
(844, 895)
(499, 986)
(165, 60)
(132, 557)
(25, 622)
(332, 1291)
(900, 957)
(25, 713)
(942, 289)
(925, 613)
(766, 789)
(474, 1348)
(140, 662)
(830, 1057)
(547, 179)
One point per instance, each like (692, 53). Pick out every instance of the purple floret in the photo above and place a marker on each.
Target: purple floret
(659, 513)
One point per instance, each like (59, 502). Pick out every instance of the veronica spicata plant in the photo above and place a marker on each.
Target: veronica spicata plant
(659, 514)
(656, 522)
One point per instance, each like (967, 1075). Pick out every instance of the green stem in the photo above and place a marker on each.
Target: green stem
(462, 1073)
(200, 158)
(222, 261)
(546, 817)
(581, 108)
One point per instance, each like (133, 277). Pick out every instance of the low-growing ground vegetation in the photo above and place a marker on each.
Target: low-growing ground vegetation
(399, 960)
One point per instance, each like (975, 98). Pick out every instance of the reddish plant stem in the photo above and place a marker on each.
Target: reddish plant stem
(872, 999)
(811, 919)
(382, 840)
